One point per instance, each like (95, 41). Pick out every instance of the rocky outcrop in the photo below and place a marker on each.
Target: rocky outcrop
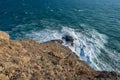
(31, 60)
(4, 35)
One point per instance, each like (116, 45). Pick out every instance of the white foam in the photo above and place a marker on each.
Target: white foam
(92, 44)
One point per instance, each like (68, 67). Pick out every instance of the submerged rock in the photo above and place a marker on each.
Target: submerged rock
(31, 60)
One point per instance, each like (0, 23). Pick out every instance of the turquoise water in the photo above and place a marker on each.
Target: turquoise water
(94, 24)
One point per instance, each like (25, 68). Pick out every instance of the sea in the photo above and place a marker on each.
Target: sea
(94, 25)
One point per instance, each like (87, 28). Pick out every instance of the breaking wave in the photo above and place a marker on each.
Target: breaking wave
(88, 45)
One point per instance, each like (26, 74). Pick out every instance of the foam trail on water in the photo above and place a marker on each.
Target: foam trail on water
(86, 46)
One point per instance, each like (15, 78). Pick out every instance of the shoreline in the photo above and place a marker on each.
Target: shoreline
(32, 60)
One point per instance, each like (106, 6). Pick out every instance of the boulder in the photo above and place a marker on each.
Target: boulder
(68, 38)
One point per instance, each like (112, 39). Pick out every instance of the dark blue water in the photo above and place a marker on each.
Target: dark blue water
(94, 23)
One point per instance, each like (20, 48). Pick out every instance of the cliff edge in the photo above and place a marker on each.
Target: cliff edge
(31, 60)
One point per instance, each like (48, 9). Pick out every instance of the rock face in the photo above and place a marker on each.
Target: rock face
(31, 60)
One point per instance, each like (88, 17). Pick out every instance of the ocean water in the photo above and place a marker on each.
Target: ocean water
(94, 24)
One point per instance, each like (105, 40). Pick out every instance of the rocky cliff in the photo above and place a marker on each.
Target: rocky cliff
(31, 60)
